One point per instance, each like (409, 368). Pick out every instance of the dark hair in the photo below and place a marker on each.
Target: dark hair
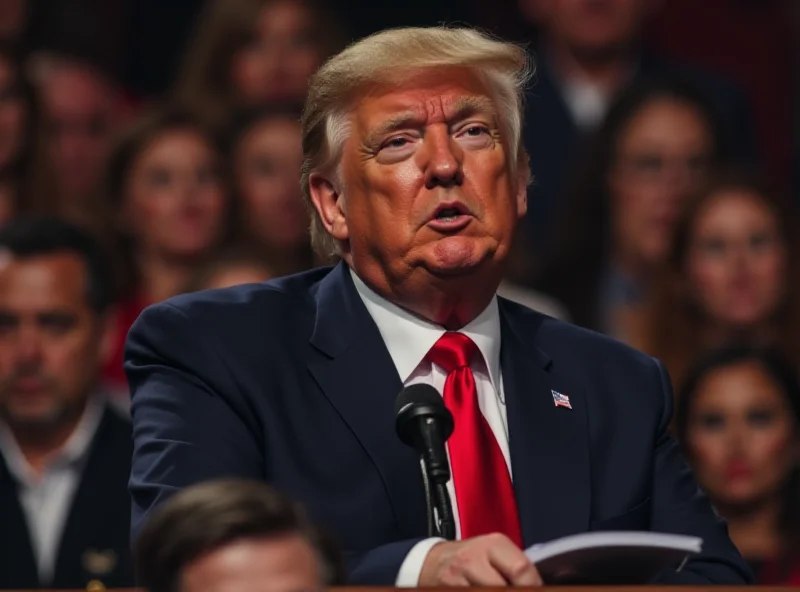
(785, 375)
(225, 27)
(237, 255)
(38, 235)
(672, 321)
(581, 244)
(29, 173)
(138, 137)
(209, 516)
(244, 119)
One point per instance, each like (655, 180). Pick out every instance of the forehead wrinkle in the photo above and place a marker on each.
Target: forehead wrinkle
(467, 106)
(458, 109)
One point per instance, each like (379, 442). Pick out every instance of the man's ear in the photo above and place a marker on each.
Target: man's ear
(523, 180)
(329, 203)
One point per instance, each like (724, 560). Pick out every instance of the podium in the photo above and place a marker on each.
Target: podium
(709, 588)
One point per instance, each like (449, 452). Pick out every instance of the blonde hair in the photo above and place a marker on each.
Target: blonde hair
(386, 57)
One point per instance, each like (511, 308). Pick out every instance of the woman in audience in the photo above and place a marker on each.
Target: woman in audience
(738, 418)
(169, 192)
(655, 146)
(730, 278)
(25, 180)
(265, 146)
(236, 265)
(250, 53)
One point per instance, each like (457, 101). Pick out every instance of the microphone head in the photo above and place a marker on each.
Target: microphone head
(420, 401)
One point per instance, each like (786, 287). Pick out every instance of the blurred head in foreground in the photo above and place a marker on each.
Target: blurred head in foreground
(234, 535)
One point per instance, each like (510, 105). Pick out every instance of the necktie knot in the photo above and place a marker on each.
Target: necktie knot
(453, 351)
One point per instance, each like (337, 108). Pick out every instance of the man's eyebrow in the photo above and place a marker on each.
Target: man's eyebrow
(397, 122)
(465, 107)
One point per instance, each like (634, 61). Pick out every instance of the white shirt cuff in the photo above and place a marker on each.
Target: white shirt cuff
(408, 576)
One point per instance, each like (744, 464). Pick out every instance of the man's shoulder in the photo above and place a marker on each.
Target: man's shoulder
(279, 301)
(562, 341)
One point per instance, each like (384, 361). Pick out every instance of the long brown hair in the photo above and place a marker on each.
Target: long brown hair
(672, 325)
(223, 29)
(581, 245)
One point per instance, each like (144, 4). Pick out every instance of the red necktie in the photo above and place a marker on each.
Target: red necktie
(483, 488)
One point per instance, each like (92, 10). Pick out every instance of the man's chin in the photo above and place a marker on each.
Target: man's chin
(34, 417)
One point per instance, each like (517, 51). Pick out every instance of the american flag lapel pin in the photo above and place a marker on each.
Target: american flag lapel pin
(561, 400)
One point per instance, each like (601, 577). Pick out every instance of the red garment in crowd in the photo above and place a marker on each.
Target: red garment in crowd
(771, 575)
(128, 311)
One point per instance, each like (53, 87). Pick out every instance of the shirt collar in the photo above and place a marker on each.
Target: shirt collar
(72, 453)
(409, 338)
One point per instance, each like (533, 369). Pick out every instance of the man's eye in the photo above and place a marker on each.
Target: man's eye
(396, 143)
(476, 130)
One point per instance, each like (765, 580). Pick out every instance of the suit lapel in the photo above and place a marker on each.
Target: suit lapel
(549, 445)
(17, 562)
(83, 551)
(356, 373)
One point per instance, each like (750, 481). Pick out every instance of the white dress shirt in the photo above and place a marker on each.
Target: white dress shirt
(408, 339)
(46, 500)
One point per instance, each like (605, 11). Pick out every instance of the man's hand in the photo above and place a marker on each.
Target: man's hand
(490, 560)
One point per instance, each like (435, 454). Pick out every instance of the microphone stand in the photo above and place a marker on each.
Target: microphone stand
(447, 524)
(437, 503)
(426, 485)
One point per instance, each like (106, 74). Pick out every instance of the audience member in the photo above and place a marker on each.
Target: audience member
(24, 174)
(655, 147)
(236, 265)
(737, 418)
(83, 110)
(267, 155)
(588, 51)
(248, 53)
(234, 535)
(13, 20)
(730, 277)
(64, 451)
(168, 190)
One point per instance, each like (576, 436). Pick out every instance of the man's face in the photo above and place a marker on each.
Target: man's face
(427, 189)
(285, 564)
(50, 339)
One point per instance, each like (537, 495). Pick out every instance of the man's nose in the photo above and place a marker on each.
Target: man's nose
(29, 346)
(443, 159)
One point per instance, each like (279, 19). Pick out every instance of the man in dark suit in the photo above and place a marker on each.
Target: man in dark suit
(64, 452)
(416, 171)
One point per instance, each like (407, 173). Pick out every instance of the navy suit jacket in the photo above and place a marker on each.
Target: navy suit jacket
(290, 382)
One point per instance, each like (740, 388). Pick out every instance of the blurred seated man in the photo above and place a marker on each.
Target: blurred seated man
(64, 452)
(234, 535)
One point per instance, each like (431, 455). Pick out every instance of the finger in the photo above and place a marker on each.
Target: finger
(512, 563)
(481, 572)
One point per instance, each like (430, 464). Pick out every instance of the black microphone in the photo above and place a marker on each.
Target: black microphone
(424, 423)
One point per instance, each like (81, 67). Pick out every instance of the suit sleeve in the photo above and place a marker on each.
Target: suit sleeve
(680, 506)
(184, 431)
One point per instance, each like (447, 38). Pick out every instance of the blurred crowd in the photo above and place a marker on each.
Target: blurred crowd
(662, 138)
